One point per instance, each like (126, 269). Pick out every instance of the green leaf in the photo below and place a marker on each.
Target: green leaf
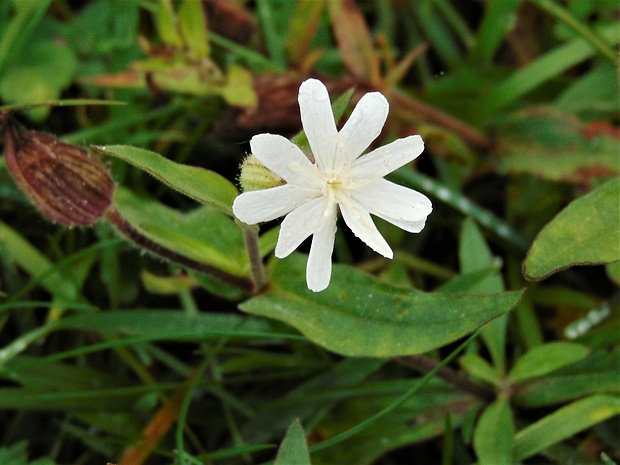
(554, 9)
(164, 324)
(499, 18)
(218, 287)
(166, 285)
(464, 283)
(551, 144)
(584, 233)
(552, 390)
(113, 399)
(200, 184)
(548, 66)
(238, 89)
(437, 33)
(40, 73)
(19, 30)
(176, 74)
(591, 92)
(564, 423)
(494, 435)
(60, 282)
(475, 255)
(205, 235)
(613, 271)
(547, 358)
(595, 374)
(17, 454)
(166, 24)
(33, 373)
(359, 316)
(274, 16)
(479, 368)
(194, 28)
(293, 450)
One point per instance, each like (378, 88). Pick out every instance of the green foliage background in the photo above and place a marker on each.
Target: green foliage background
(491, 338)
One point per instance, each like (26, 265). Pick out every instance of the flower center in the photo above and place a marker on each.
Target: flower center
(336, 189)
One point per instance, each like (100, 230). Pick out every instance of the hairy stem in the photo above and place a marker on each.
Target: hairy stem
(135, 236)
(250, 236)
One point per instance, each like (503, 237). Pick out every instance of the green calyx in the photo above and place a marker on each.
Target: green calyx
(256, 176)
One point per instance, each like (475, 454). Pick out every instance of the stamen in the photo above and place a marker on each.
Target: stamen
(331, 198)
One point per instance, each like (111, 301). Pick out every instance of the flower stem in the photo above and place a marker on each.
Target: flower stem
(250, 236)
(134, 235)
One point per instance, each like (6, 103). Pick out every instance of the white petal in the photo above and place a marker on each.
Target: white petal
(388, 158)
(299, 224)
(393, 202)
(318, 122)
(409, 226)
(265, 205)
(319, 268)
(283, 157)
(360, 222)
(365, 123)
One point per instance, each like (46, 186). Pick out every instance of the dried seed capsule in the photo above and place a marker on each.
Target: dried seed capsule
(65, 182)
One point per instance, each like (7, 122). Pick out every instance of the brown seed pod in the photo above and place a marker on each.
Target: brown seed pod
(65, 182)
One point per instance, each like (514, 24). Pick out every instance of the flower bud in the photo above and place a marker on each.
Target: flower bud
(256, 176)
(65, 182)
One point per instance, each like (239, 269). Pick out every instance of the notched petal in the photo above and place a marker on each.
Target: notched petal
(388, 158)
(360, 222)
(391, 201)
(265, 205)
(319, 267)
(318, 122)
(299, 224)
(365, 123)
(282, 157)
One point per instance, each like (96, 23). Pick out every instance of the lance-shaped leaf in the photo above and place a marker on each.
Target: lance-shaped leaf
(293, 450)
(204, 235)
(205, 186)
(564, 423)
(494, 435)
(359, 316)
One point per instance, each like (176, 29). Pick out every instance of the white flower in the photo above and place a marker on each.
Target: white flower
(338, 179)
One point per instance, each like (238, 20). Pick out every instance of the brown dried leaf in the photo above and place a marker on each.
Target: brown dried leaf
(230, 19)
(155, 430)
(354, 40)
(277, 110)
(125, 79)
